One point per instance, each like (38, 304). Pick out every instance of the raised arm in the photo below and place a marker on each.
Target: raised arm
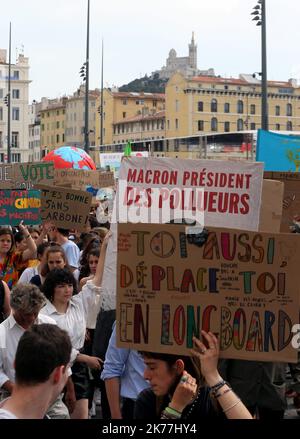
(46, 227)
(230, 403)
(6, 305)
(30, 252)
(97, 280)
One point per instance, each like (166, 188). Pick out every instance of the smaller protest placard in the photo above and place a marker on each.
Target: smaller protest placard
(291, 199)
(19, 205)
(83, 180)
(271, 206)
(66, 208)
(113, 160)
(26, 175)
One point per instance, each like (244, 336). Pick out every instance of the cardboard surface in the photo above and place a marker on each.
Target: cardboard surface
(291, 197)
(66, 208)
(26, 175)
(271, 206)
(6, 176)
(243, 286)
(18, 205)
(82, 179)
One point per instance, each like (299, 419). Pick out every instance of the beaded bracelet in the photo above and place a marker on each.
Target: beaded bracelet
(169, 414)
(217, 395)
(231, 407)
(216, 387)
(173, 412)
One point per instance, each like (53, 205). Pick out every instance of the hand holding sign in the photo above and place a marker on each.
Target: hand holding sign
(208, 357)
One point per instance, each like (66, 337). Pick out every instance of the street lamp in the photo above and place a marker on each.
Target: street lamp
(86, 121)
(8, 96)
(101, 101)
(259, 12)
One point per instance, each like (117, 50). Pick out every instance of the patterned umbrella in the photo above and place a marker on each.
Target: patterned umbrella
(70, 157)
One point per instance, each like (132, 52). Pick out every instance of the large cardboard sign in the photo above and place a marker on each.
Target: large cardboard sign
(212, 192)
(279, 152)
(271, 206)
(66, 208)
(243, 286)
(291, 198)
(18, 205)
(26, 175)
(83, 180)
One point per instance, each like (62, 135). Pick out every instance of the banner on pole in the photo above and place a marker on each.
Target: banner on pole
(279, 152)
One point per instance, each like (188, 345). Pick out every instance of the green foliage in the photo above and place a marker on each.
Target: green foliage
(146, 84)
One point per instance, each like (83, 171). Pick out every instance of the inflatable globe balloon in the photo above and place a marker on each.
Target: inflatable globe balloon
(70, 157)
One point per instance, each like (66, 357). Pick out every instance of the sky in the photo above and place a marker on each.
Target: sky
(139, 34)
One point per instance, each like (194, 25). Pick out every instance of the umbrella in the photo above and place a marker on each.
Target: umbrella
(70, 157)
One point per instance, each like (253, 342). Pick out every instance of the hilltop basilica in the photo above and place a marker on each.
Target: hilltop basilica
(187, 65)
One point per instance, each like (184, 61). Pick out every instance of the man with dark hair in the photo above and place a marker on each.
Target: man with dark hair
(26, 301)
(61, 237)
(41, 367)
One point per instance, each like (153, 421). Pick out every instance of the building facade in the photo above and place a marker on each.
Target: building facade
(19, 108)
(120, 107)
(205, 104)
(140, 128)
(75, 118)
(34, 132)
(52, 117)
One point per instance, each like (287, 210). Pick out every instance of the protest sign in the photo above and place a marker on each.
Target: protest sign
(113, 160)
(6, 176)
(240, 285)
(271, 206)
(82, 179)
(211, 192)
(18, 205)
(66, 208)
(26, 175)
(291, 198)
(279, 152)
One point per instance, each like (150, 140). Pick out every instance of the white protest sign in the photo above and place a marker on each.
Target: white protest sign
(211, 192)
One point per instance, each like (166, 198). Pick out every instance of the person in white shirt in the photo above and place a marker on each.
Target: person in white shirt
(30, 272)
(26, 301)
(71, 312)
(41, 372)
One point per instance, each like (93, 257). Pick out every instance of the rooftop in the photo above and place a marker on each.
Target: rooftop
(140, 117)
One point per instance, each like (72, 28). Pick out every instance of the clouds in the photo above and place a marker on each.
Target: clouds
(138, 36)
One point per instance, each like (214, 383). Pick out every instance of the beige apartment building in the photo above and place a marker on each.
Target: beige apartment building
(208, 104)
(140, 128)
(120, 107)
(53, 125)
(19, 120)
(75, 118)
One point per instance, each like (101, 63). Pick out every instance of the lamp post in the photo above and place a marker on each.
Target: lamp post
(259, 12)
(9, 100)
(101, 104)
(86, 121)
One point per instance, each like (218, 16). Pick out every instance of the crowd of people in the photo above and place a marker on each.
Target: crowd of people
(58, 345)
